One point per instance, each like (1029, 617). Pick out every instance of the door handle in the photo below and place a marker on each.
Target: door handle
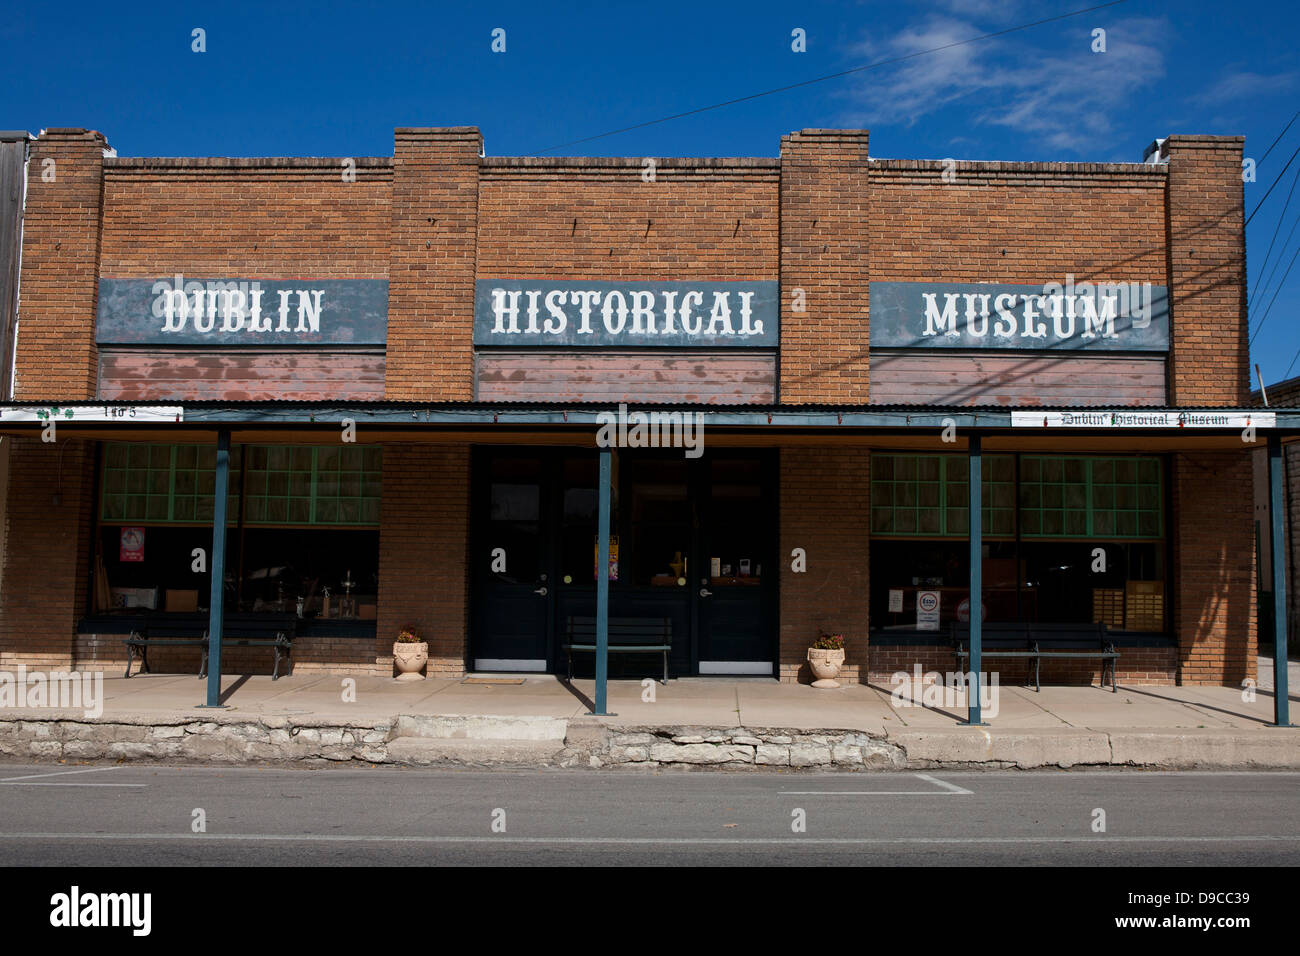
(705, 592)
(541, 591)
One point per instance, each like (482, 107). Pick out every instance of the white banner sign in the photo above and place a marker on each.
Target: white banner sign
(95, 413)
(1131, 418)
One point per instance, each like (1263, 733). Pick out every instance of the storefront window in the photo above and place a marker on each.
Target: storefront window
(1090, 545)
(303, 537)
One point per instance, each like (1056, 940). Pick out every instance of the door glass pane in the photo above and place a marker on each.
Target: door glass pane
(659, 522)
(736, 523)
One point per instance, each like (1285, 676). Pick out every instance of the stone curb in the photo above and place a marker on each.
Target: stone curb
(510, 741)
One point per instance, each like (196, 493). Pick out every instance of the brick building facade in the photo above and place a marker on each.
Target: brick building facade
(840, 469)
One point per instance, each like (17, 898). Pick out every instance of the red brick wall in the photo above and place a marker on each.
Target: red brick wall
(431, 264)
(1207, 272)
(1212, 583)
(47, 553)
(55, 355)
(825, 509)
(423, 548)
(245, 218)
(698, 219)
(825, 248)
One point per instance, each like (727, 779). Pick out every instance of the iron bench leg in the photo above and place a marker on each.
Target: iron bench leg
(131, 652)
(1038, 684)
(203, 660)
(665, 668)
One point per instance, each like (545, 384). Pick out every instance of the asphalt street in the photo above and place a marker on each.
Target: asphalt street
(129, 815)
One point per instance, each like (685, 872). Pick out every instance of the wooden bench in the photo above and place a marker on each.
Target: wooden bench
(1036, 641)
(191, 630)
(627, 635)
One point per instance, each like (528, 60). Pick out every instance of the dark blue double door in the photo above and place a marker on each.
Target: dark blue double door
(694, 539)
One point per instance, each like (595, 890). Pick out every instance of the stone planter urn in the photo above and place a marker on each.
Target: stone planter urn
(825, 665)
(410, 659)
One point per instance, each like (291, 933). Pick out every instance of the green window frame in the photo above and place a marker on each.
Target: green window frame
(322, 486)
(928, 496)
(153, 483)
(313, 485)
(1065, 496)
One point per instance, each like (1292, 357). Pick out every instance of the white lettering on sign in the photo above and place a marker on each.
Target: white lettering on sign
(238, 306)
(726, 314)
(1030, 314)
(1132, 419)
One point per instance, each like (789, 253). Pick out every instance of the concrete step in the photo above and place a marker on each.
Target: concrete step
(478, 751)
(481, 727)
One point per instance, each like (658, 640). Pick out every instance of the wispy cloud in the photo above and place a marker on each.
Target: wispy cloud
(1041, 84)
(1246, 85)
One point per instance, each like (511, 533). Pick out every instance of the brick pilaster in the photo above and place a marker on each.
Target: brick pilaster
(1212, 584)
(47, 543)
(423, 543)
(1209, 361)
(826, 510)
(431, 264)
(56, 356)
(824, 252)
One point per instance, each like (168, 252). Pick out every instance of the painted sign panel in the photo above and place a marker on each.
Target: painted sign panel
(1084, 316)
(242, 312)
(567, 314)
(1136, 419)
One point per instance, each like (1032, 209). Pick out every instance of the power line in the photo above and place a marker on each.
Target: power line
(1291, 366)
(1285, 245)
(1270, 188)
(1278, 138)
(829, 76)
(1276, 229)
(1275, 292)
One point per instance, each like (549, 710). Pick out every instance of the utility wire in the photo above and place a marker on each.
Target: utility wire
(1278, 138)
(1270, 188)
(829, 76)
(1276, 229)
(1275, 292)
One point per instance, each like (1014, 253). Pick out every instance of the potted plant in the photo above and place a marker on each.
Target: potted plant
(410, 654)
(826, 657)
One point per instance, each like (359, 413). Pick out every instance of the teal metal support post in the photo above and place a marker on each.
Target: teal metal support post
(1277, 516)
(217, 564)
(602, 586)
(973, 685)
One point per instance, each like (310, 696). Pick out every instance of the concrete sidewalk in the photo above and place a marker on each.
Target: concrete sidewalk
(704, 721)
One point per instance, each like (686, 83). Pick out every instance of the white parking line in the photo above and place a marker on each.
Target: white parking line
(38, 779)
(57, 773)
(638, 841)
(949, 789)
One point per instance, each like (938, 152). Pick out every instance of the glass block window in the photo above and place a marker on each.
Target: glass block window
(287, 485)
(307, 485)
(1078, 497)
(928, 495)
(164, 484)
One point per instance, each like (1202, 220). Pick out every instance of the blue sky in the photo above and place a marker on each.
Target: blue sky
(334, 79)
